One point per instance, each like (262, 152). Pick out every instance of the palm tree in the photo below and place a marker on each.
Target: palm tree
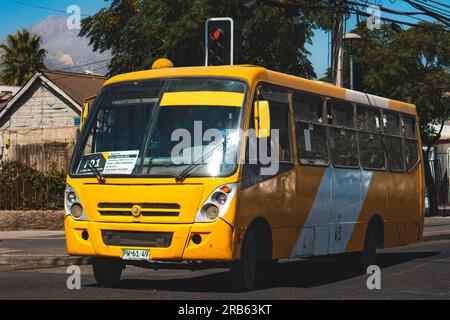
(22, 57)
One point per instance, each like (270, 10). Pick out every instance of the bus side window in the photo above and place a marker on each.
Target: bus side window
(370, 139)
(279, 120)
(342, 134)
(411, 143)
(393, 141)
(310, 130)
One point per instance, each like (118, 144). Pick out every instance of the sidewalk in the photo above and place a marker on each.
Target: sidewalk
(436, 228)
(28, 249)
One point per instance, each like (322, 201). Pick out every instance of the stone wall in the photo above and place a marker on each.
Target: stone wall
(31, 220)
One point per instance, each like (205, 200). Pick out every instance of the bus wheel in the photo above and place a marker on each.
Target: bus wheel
(107, 271)
(243, 271)
(369, 254)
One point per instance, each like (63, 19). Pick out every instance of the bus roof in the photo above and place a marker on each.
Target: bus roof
(252, 74)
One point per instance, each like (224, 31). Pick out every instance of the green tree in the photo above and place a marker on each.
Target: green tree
(22, 56)
(413, 66)
(139, 32)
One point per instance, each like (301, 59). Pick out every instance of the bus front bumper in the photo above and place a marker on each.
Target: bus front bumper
(216, 240)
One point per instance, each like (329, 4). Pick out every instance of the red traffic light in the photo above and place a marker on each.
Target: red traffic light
(216, 34)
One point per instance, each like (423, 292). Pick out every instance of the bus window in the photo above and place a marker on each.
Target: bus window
(393, 141)
(411, 143)
(343, 143)
(310, 129)
(369, 138)
(409, 127)
(279, 120)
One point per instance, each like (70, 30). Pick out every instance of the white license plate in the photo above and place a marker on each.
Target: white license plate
(131, 254)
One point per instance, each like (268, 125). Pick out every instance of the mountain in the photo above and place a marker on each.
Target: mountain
(65, 48)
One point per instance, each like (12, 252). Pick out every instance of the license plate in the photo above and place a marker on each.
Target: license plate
(132, 254)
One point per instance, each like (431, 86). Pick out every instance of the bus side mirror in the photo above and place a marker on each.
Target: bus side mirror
(84, 113)
(262, 119)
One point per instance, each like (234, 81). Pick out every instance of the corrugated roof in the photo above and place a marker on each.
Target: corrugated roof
(77, 85)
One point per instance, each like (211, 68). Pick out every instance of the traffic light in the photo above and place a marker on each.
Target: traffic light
(219, 41)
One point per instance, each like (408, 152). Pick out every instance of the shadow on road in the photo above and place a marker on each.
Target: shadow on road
(297, 274)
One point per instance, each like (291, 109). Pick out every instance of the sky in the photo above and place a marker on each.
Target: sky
(16, 14)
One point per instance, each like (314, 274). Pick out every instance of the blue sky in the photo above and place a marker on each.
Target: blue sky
(16, 14)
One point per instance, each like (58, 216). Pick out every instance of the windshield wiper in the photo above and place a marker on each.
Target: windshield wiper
(185, 173)
(93, 169)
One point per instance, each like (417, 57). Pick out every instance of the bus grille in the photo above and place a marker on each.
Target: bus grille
(137, 239)
(147, 209)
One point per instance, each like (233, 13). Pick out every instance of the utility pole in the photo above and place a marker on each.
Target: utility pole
(338, 42)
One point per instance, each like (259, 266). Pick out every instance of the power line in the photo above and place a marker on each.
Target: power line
(433, 28)
(42, 7)
(444, 19)
(385, 9)
(411, 15)
(83, 65)
(432, 7)
(70, 75)
(391, 11)
(439, 3)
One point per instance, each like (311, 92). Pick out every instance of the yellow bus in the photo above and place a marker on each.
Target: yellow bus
(298, 168)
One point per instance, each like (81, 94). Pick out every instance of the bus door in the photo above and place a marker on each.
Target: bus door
(268, 189)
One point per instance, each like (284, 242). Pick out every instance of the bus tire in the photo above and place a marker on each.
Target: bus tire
(243, 272)
(107, 271)
(369, 254)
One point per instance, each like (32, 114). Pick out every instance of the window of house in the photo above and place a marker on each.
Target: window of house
(342, 134)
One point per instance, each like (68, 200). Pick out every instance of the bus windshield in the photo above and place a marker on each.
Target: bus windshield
(163, 127)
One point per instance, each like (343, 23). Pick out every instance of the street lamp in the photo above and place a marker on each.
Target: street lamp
(352, 37)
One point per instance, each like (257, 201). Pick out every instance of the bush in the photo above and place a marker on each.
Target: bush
(24, 188)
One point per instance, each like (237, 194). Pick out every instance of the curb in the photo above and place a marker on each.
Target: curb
(28, 262)
(436, 237)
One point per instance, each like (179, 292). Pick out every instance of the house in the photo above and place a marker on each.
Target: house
(38, 124)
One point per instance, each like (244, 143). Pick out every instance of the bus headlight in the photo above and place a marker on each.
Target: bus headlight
(72, 204)
(217, 203)
(76, 211)
(210, 211)
(71, 197)
(221, 198)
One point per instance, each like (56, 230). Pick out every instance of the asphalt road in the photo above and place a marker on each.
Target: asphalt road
(419, 271)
